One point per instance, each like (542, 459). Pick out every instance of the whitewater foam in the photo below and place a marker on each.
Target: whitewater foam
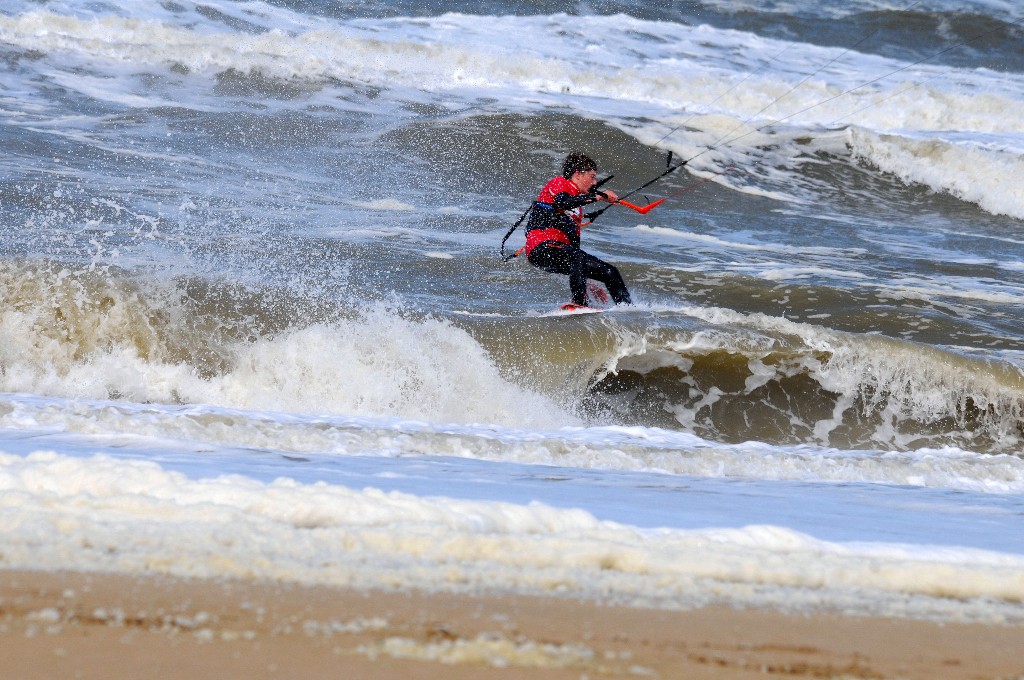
(687, 80)
(109, 515)
(965, 170)
(98, 335)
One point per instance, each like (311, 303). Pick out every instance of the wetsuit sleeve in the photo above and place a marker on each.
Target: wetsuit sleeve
(565, 201)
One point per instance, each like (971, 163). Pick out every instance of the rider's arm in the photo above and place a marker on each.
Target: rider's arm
(566, 201)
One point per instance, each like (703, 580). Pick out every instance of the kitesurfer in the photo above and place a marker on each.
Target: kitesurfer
(553, 231)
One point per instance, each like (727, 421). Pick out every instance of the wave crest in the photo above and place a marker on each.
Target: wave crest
(102, 335)
(787, 383)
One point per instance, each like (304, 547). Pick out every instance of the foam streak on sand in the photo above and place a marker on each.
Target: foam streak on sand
(108, 515)
(99, 626)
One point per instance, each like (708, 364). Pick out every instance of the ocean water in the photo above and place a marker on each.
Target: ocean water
(255, 323)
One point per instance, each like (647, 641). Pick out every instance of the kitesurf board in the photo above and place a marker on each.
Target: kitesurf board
(596, 291)
(570, 308)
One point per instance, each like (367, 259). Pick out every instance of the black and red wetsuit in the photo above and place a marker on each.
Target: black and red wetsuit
(553, 241)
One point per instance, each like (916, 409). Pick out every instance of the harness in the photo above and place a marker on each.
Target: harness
(545, 217)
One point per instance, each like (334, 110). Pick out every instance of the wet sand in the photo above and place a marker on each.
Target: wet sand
(73, 625)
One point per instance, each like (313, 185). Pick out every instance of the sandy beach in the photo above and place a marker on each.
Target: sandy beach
(75, 625)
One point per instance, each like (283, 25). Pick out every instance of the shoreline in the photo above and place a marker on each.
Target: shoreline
(101, 625)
